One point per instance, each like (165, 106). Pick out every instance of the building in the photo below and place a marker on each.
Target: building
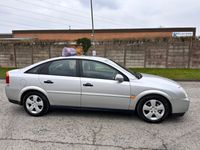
(104, 34)
(5, 35)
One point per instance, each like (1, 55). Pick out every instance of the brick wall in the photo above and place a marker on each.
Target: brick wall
(176, 53)
(98, 36)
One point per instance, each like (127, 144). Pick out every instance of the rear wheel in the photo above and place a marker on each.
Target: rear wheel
(153, 108)
(35, 104)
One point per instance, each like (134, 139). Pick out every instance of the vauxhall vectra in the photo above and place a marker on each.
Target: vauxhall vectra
(94, 82)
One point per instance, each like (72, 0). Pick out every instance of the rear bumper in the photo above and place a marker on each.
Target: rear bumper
(12, 93)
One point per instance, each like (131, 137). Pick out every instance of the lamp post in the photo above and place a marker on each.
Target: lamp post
(93, 37)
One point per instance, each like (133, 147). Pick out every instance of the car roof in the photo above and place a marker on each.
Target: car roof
(82, 57)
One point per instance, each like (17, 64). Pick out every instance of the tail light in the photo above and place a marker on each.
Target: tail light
(7, 78)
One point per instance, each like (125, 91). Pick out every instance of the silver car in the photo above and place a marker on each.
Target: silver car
(94, 82)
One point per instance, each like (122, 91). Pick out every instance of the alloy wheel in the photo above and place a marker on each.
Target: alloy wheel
(34, 104)
(153, 109)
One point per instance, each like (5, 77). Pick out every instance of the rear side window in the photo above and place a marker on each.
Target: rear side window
(62, 68)
(59, 68)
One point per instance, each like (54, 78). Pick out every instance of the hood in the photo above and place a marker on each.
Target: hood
(153, 79)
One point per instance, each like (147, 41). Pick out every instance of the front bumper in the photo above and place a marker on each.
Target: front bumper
(180, 105)
(14, 101)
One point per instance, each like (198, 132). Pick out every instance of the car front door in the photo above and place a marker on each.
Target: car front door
(99, 87)
(60, 80)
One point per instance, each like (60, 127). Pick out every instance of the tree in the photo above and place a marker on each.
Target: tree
(85, 43)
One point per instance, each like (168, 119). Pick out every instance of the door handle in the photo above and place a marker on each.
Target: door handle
(48, 82)
(87, 84)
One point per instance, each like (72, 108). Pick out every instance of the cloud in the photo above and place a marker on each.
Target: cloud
(60, 14)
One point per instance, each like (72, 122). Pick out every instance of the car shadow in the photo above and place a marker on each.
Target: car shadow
(96, 113)
(93, 113)
(107, 114)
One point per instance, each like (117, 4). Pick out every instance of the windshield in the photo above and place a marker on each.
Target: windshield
(136, 74)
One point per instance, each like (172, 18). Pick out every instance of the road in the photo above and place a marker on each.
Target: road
(75, 129)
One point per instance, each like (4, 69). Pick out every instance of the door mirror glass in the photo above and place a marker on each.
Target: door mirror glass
(119, 78)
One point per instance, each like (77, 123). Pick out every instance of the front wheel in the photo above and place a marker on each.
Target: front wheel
(153, 109)
(35, 104)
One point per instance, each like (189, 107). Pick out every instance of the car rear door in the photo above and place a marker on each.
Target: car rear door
(60, 80)
(99, 87)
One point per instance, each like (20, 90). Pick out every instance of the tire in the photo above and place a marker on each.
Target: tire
(35, 103)
(153, 108)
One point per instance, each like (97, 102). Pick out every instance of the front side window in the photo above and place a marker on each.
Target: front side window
(62, 68)
(93, 69)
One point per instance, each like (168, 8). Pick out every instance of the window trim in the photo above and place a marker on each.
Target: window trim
(81, 70)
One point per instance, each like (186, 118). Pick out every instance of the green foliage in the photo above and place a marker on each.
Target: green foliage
(4, 70)
(172, 73)
(86, 44)
(176, 74)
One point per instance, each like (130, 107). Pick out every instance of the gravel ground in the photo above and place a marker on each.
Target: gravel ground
(78, 129)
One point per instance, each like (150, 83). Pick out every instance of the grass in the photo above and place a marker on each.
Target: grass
(3, 71)
(176, 74)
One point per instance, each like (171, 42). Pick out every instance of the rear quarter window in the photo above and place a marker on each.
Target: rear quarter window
(37, 69)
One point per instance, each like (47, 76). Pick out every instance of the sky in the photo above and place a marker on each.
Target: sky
(75, 14)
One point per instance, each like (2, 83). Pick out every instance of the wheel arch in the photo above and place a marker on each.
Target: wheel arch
(31, 89)
(154, 93)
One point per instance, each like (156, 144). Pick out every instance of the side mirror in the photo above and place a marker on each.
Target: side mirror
(119, 78)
